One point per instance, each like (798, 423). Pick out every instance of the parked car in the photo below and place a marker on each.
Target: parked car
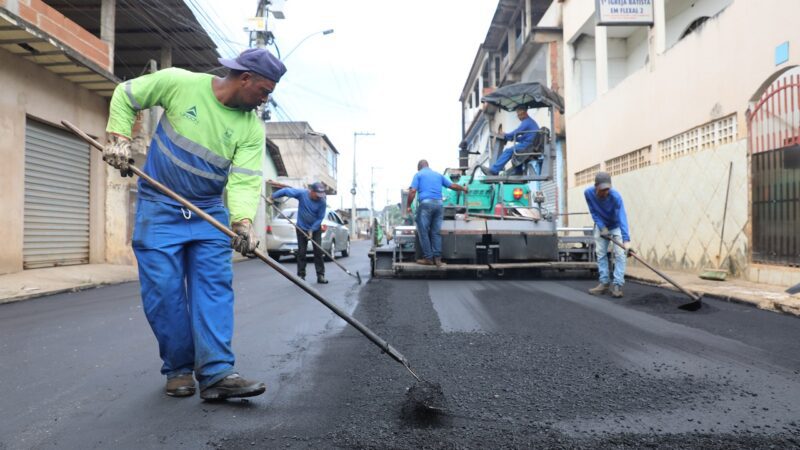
(282, 238)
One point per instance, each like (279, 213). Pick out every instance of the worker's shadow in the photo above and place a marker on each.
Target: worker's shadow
(239, 404)
(412, 416)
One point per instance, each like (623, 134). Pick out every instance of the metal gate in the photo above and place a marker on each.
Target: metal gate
(56, 198)
(774, 142)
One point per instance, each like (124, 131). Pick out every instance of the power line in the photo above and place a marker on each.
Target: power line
(141, 15)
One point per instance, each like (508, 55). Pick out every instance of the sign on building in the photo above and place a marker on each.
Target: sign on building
(624, 12)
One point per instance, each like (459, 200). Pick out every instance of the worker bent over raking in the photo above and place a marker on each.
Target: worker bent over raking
(608, 212)
(310, 214)
(208, 139)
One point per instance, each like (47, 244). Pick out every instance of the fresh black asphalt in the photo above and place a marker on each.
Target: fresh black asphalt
(523, 364)
(541, 364)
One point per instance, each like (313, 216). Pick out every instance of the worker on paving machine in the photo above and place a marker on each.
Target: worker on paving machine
(429, 211)
(608, 212)
(523, 137)
(310, 214)
(208, 140)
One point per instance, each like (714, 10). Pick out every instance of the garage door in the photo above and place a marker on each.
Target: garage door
(56, 198)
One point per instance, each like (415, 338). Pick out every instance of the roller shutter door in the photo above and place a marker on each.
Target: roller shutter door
(56, 198)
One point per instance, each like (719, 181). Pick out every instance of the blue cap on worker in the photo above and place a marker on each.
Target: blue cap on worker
(259, 61)
(602, 180)
(319, 188)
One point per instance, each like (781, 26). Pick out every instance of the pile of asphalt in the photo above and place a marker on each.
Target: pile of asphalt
(520, 388)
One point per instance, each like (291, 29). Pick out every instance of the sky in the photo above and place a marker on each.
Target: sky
(395, 69)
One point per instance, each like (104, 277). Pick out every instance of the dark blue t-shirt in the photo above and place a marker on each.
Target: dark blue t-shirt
(608, 212)
(524, 133)
(310, 213)
(429, 184)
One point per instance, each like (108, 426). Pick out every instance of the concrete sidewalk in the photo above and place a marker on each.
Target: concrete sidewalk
(763, 296)
(53, 280)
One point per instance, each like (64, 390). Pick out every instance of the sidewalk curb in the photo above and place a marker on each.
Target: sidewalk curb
(767, 305)
(82, 287)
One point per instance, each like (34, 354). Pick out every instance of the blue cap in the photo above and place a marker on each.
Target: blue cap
(259, 61)
(602, 180)
(318, 187)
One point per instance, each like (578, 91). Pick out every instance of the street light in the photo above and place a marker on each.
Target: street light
(353, 222)
(323, 32)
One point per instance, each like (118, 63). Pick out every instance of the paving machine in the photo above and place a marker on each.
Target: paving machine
(501, 224)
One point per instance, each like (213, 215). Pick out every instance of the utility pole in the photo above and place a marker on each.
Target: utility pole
(386, 211)
(260, 36)
(353, 217)
(372, 197)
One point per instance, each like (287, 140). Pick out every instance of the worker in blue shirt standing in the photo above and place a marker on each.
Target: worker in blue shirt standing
(310, 213)
(608, 213)
(429, 184)
(523, 137)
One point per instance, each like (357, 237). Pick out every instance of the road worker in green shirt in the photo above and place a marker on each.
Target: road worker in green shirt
(209, 139)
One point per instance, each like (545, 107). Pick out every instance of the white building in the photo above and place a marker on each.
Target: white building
(667, 108)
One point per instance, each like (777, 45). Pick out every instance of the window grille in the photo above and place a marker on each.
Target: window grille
(629, 161)
(586, 176)
(711, 135)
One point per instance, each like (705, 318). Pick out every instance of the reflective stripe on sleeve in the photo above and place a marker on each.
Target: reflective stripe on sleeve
(129, 92)
(244, 171)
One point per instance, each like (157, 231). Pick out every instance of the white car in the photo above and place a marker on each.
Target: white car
(282, 238)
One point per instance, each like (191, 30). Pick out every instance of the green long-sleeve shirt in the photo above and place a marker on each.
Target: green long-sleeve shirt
(200, 146)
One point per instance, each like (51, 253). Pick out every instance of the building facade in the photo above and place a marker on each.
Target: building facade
(52, 187)
(61, 60)
(307, 155)
(669, 109)
(520, 46)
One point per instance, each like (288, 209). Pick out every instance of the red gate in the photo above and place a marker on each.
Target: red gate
(774, 143)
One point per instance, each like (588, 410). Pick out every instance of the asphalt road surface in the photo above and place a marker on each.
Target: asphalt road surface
(523, 363)
(81, 370)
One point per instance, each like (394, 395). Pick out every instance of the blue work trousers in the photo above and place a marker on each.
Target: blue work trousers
(620, 258)
(429, 228)
(505, 157)
(187, 288)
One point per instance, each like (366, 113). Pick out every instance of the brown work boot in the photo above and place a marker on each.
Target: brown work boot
(233, 386)
(425, 262)
(600, 289)
(180, 386)
(438, 261)
(616, 291)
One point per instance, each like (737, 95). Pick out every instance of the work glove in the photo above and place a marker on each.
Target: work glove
(604, 233)
(629, 250)
(117, 153)
(245, 241)
(275, 202)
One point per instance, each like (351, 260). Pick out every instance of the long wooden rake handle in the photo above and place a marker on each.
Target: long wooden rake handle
(369, 334)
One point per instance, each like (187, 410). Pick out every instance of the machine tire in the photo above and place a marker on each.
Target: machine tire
(274, 255)
(346, 251)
